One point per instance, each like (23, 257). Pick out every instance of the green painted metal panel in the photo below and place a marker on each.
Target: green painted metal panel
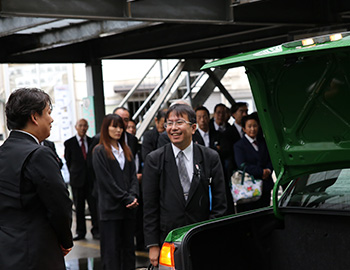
(302, 96)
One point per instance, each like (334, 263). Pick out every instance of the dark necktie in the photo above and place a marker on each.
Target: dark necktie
(183, 174)
(83, 148)
(256, 144)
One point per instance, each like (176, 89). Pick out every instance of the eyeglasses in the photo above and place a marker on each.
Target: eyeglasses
(177, 123)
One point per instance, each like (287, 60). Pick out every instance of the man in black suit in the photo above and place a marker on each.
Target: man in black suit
(176, 180)
(51, 145)
(75, 153)
(35, 209)
(203, 135)
(130, 139)
(150, 138)
(224, 138)
(238, 111)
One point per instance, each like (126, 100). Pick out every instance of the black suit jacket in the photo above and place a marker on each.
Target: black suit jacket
(115, 187)
(77, 165)
(149, 143)
(255, 161)
(165, 207)
(132, 143)
(35, 209)
(197, 138)
(53, 148)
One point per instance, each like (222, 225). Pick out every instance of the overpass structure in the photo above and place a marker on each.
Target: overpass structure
(193, 31)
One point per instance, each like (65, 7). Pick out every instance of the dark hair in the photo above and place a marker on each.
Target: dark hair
(238, 105)
(249, 117)
(105, 139)
(125, 109)
(202, 108)
(219, 105)
(180, 110)
(131, 120)
(23, 103)
(161, 114)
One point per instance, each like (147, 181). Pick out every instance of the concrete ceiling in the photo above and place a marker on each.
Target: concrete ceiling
(79, 31)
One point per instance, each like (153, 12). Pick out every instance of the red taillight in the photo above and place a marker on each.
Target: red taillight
(166, 257)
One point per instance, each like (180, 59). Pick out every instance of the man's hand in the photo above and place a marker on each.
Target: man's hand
(65, 251)
(132, 205)
(266, 173)
(153, 255)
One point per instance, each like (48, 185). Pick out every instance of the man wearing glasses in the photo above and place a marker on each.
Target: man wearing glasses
(176, 182)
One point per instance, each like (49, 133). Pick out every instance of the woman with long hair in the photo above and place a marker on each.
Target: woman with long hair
(118, 189)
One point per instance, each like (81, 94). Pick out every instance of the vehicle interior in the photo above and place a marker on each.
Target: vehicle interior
(315, 223)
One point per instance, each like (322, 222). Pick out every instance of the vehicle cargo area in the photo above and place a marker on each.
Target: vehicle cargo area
(300, 241)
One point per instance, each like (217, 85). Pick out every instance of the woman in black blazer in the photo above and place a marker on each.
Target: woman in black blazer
(251, 150)
(118, 189)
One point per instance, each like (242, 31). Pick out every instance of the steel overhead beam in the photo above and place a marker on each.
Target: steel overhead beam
(181, 10)
(86, 9)
(87, 31)
(207, 88)
(79, 33)
(11, 25)
(218, 11)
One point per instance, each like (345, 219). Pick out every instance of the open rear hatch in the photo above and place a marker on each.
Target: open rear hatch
(302, 93)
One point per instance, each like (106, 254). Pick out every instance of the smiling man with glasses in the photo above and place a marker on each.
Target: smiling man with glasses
(176, 181)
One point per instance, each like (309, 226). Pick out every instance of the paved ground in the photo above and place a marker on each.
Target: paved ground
(85, 254)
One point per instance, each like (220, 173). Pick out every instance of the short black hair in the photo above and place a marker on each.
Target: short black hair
(161, 114)
(180, 110)
(238, 105)
(125, 109)
(249, 117)
(219, 105)
(23, 103)
(202, 108)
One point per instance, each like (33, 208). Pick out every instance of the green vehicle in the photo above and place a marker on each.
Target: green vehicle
(302, 93)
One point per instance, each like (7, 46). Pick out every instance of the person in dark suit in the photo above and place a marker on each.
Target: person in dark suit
(176, 181)
(224, 138)
(203, 135)
(75, 153)
(238, 111)
(51, 145)
(118, 190)
(139, 237)
(35, 209)
(254, 155)
(150, 138)
(130, 139)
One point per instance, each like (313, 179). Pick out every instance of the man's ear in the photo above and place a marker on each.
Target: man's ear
(33, 117)
(194, 127)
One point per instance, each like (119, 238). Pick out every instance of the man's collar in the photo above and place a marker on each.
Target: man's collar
(25, 132)
(187, 151)
(78, 137)
(251, 140)
(217, 126)
(203, 132)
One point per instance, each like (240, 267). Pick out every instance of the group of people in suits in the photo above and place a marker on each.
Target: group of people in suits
(103, 173)
(183, 181)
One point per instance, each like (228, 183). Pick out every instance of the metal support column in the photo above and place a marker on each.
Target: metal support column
(94, 80)
(222, 88)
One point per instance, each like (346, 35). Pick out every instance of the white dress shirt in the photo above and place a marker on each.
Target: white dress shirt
(217, 127)
(252, 140)
(205, 136)
(188, 152)
(119, 155)
(239, 129)
(85, 142)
